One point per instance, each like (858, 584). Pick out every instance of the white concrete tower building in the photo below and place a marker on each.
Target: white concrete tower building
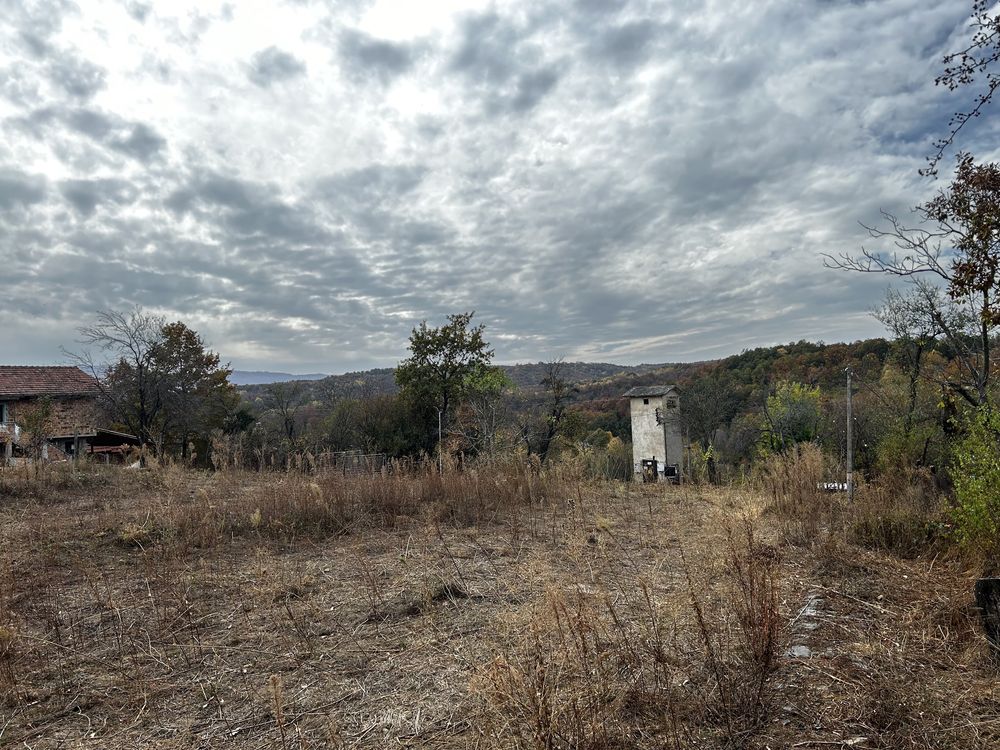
(656, 432)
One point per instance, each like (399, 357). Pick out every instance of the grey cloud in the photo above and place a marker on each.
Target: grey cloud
(139, 11)
(37, 45)
(141, 143)
(417, 233)
(503, 64)
(247, 210)
(532, 87)
(36, 21)
(17, 87)
(372, 184)
(88, 122)
(485, 53)
(365, 56)
(188, 30)
(45, 16)
(136, 140)
(273, 65)
(18, 189)
(86, 195)
(682, 158)
(375, 202)
(599, 7)
(78, 78)
(628, 44)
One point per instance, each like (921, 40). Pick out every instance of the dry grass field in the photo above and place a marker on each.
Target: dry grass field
(493, 609)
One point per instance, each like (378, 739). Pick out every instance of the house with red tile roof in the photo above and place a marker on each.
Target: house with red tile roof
(70, 397)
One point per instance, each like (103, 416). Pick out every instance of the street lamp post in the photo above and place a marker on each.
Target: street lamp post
(850, 438)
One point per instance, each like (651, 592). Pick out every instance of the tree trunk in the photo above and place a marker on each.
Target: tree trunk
(988, 602)
(984, 378)
(914, 377)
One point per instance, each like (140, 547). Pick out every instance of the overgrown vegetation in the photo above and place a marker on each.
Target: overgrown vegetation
(977, 479)
(496, 606)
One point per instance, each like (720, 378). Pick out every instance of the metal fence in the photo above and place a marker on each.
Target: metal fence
(351, 462)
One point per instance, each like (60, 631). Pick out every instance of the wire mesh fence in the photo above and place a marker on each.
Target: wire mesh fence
(351, 462)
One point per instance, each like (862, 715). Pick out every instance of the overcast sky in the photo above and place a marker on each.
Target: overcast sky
(303, 182)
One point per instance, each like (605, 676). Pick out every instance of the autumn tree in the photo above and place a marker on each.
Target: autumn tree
(157, 380)
(36, 425)
(120, 350)
(558, 392)
(286, 399)
(483, 422)
(444, 364)
(197, 395)
(907, 317)
(710, 402)
(973, 66)
(791, 416)
(957, 240)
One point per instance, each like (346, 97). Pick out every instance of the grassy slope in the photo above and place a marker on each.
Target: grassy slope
(129, 622)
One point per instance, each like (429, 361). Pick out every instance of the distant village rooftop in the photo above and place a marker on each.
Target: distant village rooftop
(18, 381)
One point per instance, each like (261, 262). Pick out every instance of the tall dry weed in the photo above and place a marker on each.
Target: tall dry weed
(903, 512)
(288, 505)
(753, 569)
(629, 670)
(793, 482)
(576, 679)
(8, 635)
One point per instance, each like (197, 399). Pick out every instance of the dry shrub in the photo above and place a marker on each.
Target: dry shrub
(902, 512)
(740, 636)
(897, 697)
(135, 535)
(753, 570)
(57, 483)
(7, 640)
(577, 678)
(289, 505)
(482, 495)
(602, 672)
(793, 479)
(281, 506)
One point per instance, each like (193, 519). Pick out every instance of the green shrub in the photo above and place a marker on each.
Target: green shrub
(977, 487)
(901, 512)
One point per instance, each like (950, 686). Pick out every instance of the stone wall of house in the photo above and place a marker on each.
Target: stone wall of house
(70, 415)
(653, 440)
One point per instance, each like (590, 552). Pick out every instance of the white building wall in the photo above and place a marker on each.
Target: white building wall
(647, 435)
(652, 440)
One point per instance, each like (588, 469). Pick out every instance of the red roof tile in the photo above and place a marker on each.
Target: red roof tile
(19, 381)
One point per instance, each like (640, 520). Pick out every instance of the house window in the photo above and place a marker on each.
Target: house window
(645, 401)
(3, 412)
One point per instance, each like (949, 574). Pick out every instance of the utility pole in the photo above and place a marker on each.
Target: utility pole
(850, 438)
(440, 446)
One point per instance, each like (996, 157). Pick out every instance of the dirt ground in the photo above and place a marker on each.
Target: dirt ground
(114, 637)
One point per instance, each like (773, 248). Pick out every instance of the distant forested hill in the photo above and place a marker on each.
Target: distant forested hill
(721, 400)
(262, 377)
(817, 364)
(382, 381)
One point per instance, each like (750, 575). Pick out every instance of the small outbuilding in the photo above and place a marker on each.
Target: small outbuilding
(657, 445)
